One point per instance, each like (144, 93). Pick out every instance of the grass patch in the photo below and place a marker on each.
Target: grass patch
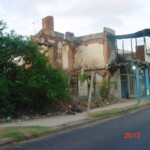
(37, 127)
(64, 125)
(20, 133)
(134, 108)
(35, 134)
(16, 135)
(108, 114)
(49, 131)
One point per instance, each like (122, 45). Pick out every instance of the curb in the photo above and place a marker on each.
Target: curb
(57, 129)
(71, 125)
(4, 141)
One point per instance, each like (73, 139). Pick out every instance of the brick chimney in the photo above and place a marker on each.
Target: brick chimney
(48, 25)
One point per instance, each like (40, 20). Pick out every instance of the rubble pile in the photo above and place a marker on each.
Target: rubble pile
(69, 107)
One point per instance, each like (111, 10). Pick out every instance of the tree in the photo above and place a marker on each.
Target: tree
(36, 87)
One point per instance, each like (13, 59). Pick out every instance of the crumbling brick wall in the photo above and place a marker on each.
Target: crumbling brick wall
(95, 52)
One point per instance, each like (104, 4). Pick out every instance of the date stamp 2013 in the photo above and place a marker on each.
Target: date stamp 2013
(128, 135)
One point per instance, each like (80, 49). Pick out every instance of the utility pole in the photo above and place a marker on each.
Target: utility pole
(138, 85)
(90, 95)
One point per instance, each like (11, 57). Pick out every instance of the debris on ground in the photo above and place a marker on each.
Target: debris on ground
(70, 107)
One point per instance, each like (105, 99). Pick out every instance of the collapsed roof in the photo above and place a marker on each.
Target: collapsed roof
(142, 33)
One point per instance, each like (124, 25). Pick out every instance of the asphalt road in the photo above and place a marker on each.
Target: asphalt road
(128, 132)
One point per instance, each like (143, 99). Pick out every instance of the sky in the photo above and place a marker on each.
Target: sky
(82, 17)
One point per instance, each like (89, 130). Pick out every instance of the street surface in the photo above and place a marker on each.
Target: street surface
(128, 132)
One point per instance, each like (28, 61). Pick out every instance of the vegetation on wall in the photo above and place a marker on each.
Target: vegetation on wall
(27, 80)
(83, 77)
(105, 88)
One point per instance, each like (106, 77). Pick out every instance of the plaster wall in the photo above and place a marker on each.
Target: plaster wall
(82, 88)
(50, 55)
(65, 57)
(115, 89)
(98, 80)
(89, 56)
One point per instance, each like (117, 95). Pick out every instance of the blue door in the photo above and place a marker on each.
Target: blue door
(124, 90)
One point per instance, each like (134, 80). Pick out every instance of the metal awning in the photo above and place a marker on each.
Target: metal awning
(142, 33)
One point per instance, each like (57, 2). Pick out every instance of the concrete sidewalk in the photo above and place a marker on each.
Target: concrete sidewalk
(58, 123)
(67, 119)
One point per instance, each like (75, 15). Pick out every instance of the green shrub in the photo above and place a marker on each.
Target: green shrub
(35, 88)
(83, 77)
(105, 88)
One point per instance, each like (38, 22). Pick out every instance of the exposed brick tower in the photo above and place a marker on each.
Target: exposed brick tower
(48, 25)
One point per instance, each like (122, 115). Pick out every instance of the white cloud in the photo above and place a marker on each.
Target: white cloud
(2, 10)
(78, 16)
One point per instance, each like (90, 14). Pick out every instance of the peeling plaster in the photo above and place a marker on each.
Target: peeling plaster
(51, 41)
(43, 49)
(90, 56)
(41, 40)
(65, 57)
(59, 51)
(99, 78)
(112, 57)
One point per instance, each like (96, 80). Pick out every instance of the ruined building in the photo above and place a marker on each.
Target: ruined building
(95, 52)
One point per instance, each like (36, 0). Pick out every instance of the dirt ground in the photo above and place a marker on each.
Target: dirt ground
(81, 103)
(69, 107)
